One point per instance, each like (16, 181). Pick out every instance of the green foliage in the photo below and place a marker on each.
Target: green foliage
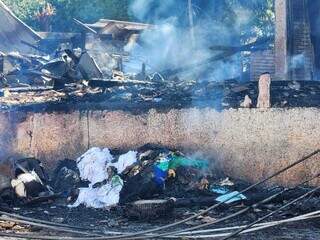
(259, 23)
(250, 19)
(87, 11)
(66, 10)
(26, 9)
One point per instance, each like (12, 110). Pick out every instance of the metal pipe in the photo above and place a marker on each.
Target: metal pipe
(314, 214)
(257, 227)
(219, 204)
(132, 235)
(60, 229)
(272, 213)
(47, 222)
(266, 200)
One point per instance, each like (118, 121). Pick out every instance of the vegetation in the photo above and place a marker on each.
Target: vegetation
(66, 10)
(260, 22)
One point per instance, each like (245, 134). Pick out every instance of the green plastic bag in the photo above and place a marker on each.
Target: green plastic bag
(180, 161)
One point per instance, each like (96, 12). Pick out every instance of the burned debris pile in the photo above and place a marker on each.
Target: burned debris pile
(99, 67)
(74, 78)
(66, 63)
(63, 67)
(113, 194)
(124, 190)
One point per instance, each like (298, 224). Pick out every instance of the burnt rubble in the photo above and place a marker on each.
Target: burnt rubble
(73, 71)
(163, 95)
(73, 79)
(152, 192)
(95, 70)
(186, 190)
(54, 60)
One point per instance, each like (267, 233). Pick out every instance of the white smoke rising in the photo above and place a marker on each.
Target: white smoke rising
(298, 61)
(170, 45)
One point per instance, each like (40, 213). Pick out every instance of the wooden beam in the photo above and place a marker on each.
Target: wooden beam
(84, 26)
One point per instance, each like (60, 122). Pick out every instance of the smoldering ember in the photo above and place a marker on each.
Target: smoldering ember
(176, 119)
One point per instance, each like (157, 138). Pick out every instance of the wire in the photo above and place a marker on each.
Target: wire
(268, 199)
(256, 227)
(272, 213)
(219, 204)
(129, 235)
(170, 234)
(48, 222)
(46, 226)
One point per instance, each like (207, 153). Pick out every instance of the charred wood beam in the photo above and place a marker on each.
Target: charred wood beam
(107, 83)
(259, 44)
(32, 46)
(29, 89)
(47, 45)
(84, 26)
(286, 196)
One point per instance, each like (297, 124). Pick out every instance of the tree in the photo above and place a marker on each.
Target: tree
(227, 12)
(66, 10)
(87, 11)
(26, 10)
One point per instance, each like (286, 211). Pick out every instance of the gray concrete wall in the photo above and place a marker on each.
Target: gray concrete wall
(246, 143)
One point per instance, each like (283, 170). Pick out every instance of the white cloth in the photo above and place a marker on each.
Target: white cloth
(125, 161)
(104, 196)
(18, 184)
(93, 167)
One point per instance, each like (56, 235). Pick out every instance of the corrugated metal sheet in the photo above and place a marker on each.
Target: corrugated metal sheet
(13, 31)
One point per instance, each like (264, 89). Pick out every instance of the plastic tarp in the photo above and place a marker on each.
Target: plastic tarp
(227, 196)
(93, 167)
(173, 161)
(231, 197)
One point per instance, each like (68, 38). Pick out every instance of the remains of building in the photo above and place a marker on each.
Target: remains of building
(94, 145)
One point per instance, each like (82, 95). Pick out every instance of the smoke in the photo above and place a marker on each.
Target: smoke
(170, 45)
(298, 61)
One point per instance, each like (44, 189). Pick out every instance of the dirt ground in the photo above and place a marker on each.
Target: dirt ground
(113, 220)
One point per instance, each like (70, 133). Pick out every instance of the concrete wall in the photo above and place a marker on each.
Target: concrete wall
(247, 144)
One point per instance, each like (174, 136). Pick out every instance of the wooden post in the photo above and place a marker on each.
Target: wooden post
(264, 91)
